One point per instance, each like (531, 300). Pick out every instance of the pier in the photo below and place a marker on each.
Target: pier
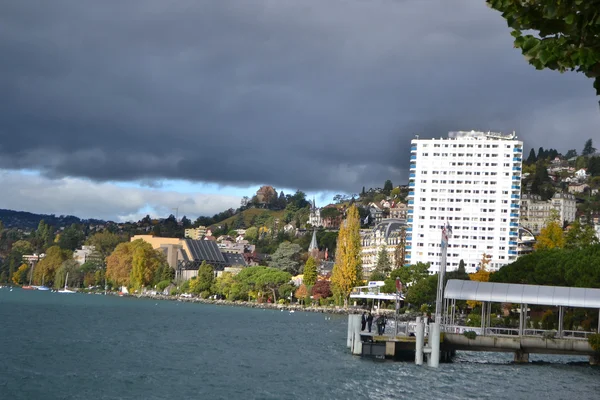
(414, 338)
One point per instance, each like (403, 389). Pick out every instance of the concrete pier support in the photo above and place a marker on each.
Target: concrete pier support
(356, 342)
(521, 356)
(350, 332)
(420, 339)
(433, 360)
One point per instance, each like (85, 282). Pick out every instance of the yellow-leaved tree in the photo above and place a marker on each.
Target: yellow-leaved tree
(552, 235)
(482, 275)
(347, 270)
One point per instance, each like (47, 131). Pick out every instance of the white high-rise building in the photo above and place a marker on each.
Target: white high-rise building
(471, 181)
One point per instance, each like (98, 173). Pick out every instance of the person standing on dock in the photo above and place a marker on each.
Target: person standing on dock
(369, 321)
(363, 321)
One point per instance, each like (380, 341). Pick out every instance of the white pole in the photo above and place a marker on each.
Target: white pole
(420, 338)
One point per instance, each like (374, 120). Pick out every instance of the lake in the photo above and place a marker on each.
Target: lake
(78, 346)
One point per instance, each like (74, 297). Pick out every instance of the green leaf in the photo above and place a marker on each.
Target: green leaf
(569, 19)
(516, 33)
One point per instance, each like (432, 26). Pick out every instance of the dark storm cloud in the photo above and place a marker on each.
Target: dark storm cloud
(311, 94)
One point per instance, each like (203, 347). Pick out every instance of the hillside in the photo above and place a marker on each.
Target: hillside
(27, 221)
(250, 215)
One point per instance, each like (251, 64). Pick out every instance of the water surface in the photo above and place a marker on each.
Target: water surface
(60, 346)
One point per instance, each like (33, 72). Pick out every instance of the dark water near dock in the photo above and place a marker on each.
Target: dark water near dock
(60, 346)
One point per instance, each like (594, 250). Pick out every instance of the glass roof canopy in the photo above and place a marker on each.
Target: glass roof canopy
(522, 294)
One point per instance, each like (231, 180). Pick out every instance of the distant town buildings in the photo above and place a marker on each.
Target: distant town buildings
(195, 233)
(536, 212)
(186, 255)
(85, 254)
(470, 181)
(388, 235)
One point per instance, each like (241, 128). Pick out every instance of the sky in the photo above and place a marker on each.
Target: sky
(120, 108)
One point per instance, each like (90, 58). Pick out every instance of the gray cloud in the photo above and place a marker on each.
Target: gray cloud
(310, 94)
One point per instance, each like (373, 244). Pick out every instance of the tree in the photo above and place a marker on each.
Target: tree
(310, 272)
(532, 158)
(579, 236)
(551, 236)
(145, 261)
(400, 251)
(105, 243)
(423, 291)
(387, 187)
(321, 290)
(71, 238)
(20, 275)
(75, 276)
(120, 264)
(588, 148)
(251, 234)
(570, 154)
(567, 38)
(287, 258)
(270, 280)
(204, 280)
(46, 268)
(384, 264)
(223, 284)
(301, 292)
(408, 276)
(347, 270)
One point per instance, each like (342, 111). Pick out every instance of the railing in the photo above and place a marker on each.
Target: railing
(499, 331)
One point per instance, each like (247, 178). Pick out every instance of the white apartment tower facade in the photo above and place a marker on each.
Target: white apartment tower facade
(471, 181)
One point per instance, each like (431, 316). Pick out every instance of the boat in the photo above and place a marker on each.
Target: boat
(27, 287)
(123, 291)
(65, 290)
(43, 287)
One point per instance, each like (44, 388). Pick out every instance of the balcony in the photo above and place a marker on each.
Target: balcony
(411, 184)
(411, 193)
(410, 211)
(413, 158)
(518, 150)
(516, 178)
(408, 247)
(516, 159)
(410, 220)
(516, 168)
(411, 202)
(413, 166)
(412, 175)
(512, 252)
(515, 187)
(514, 196)
(413, 148)
(514, 215)
(409, 229)
(512, 243)
(513, 234)
(514, 206)
(514, 224)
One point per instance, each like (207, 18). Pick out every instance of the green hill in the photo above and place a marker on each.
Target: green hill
(249, 215)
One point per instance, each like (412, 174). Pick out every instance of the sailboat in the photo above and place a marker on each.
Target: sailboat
(42, 287)
(65, 290)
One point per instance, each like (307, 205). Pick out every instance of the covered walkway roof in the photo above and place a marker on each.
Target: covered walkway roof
(522, 294)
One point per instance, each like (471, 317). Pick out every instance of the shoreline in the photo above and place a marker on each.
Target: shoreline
(268, 306)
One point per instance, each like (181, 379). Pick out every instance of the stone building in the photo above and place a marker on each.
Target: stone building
(535, 212)
(388, 233)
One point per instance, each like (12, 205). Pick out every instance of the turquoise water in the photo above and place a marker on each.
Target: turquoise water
(60, 346)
